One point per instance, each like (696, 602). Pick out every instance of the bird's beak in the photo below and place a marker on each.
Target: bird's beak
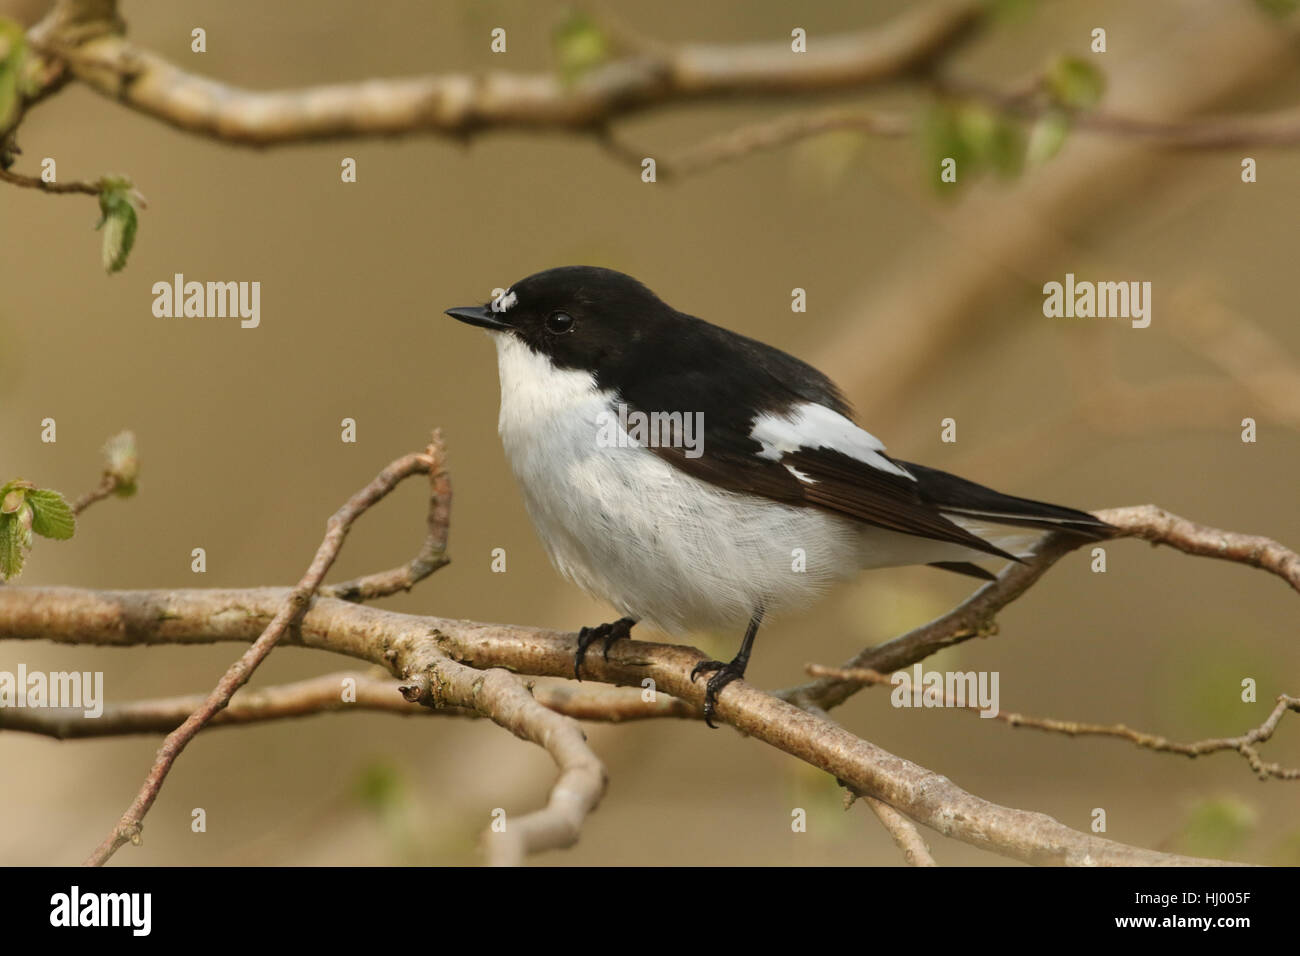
(482, 316)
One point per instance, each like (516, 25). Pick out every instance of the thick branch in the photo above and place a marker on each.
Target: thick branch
(459, 105)
(498, 695)
(404, 644)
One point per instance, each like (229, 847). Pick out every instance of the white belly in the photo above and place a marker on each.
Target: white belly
(657, 544)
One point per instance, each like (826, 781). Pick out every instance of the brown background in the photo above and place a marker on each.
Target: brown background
(239, 432)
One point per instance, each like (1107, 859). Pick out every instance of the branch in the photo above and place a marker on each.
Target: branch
(766, 135)
(408, 646)
(1244, 744)
(975, 617)
(289, 608)
(35, 182)
(1277, 128)
(456, 105)
(432, 554)
(901, 830)
(321, 695)
(499, 695)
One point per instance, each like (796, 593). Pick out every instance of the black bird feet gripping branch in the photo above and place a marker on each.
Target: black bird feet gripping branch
(609, 633)
(723, 674)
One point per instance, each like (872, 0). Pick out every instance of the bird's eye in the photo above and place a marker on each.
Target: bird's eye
(557, 323)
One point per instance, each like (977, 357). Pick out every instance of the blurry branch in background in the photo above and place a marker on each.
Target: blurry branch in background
(468, 668)
(82, 40)
(756, 137)
(605, 72)
(1254, 363)
(1245, 744)
(1012, 236)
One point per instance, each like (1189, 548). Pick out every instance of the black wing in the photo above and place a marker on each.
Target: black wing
(729, 378)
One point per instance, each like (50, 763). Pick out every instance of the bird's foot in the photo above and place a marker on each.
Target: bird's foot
(723, 674)
(609, 633)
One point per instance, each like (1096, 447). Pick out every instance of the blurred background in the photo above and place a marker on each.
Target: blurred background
(922, 305)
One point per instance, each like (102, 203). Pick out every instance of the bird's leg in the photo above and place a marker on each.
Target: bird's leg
(724, 674)
(608, 632)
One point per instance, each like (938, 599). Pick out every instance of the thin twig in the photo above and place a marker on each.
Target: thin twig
(432, 554)
(107, 485)
(902, 831)
(290, 608)
(757, 137)
(975, 617)
(1244, 744)
(35, 182)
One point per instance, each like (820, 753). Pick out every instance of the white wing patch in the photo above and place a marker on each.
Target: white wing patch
(504, 302)
(815, 426)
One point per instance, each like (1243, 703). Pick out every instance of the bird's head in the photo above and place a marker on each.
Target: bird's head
(579, 317)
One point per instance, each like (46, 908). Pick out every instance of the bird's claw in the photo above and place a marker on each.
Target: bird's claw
(724, 674)
(608, 633)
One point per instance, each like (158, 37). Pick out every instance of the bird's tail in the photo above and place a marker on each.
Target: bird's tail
(967, 502)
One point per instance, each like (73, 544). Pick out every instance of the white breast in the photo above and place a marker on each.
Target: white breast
(657, 544)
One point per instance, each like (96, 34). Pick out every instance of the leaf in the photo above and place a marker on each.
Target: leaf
(1074, 83)
(123, 461)
(13, 51)
(52, 517)
(118, 222)
(15, 539)
(1047, 136)
(990, 140)
(580, 45)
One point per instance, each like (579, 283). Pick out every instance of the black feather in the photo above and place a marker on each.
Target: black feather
(965, 567)
(955, 495)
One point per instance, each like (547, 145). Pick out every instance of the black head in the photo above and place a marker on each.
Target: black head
(581, 317)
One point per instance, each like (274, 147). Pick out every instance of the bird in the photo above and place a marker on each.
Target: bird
(697, 479)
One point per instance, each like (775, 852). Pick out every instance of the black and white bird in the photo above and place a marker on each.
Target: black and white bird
(764, 493)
